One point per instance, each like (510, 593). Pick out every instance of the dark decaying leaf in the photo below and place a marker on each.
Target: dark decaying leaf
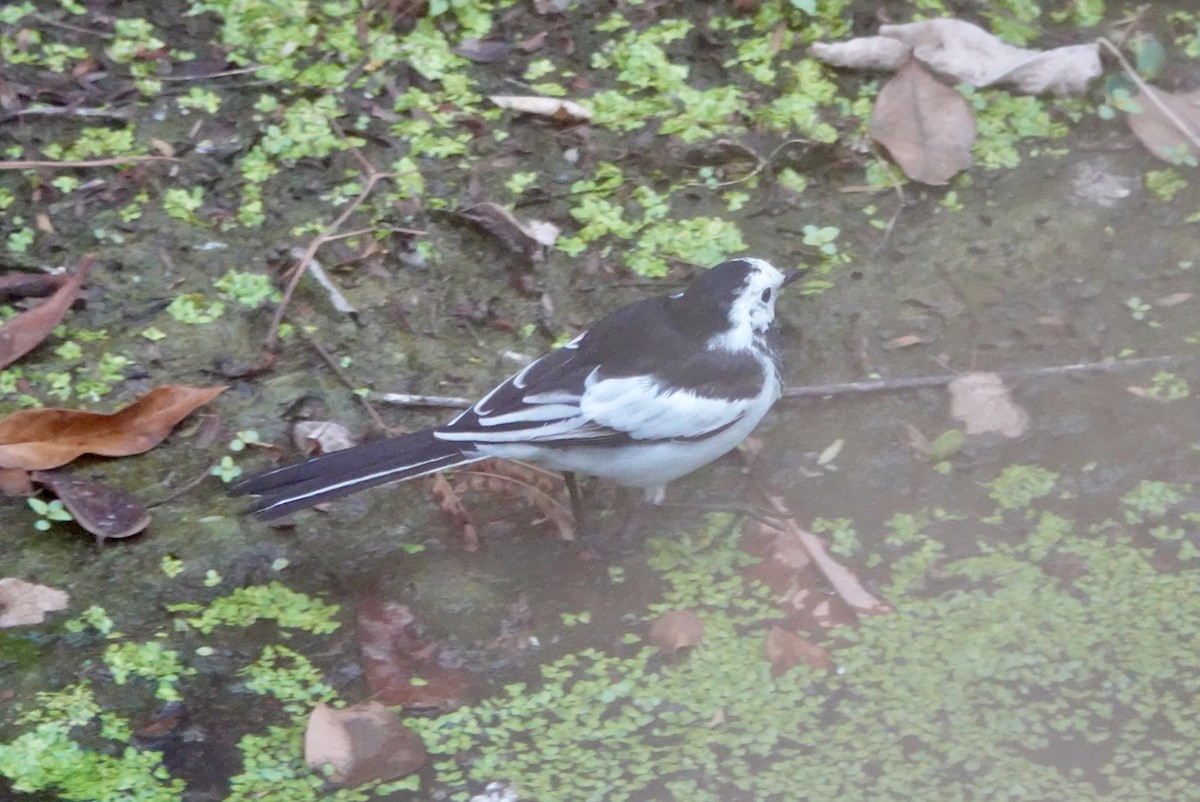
(526, 238)
(15, 482)
(23, 603)
(40, 439)
(22, 333)
(19, 284)
(401, 665)
(675, 630)
(1159, 133)
(484, 51)
(362, 743)
(785, 649)
(105, 512)
(926, 126)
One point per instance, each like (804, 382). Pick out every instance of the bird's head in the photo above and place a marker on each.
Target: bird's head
(742, 292)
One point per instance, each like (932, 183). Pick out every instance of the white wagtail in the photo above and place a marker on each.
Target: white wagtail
(652, 392)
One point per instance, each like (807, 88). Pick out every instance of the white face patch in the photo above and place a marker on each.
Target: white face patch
(753, 308)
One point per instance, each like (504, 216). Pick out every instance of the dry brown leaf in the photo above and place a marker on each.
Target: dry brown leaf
(831, 452)
(363, 743)
(847, 586)
(1158, 132)
(314, 437)
(40, 439)
(916, 439)
(553, 107)
(545, 7)
(24, 602)
(484, 51)
(534, 42)
(926, 126)
(785, 649)
(19, 284)
(864, 53)
(402, 665)
(105, 512)
(965, 53)
(675, 630)
(1174, 299)
(984, 404)
(22, 333)
(452, 504)
(525, 237)
(904, 341)
(536, 487)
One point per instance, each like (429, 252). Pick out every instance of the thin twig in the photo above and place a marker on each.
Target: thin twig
(336, 298)
(208, 75)
(925, 382)
(185, 487)
(33, 165)
(373, 177)
(345, 379)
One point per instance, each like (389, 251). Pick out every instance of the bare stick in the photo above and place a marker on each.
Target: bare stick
(373, 177)
(925, 382)
(345, 379)
(33, 165)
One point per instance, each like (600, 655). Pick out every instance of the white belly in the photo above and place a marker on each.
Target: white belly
(649, 465)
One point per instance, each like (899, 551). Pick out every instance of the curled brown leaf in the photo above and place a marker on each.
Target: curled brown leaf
(41, 439)
(22, 333)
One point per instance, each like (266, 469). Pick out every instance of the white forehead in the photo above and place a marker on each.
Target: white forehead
(763, 274)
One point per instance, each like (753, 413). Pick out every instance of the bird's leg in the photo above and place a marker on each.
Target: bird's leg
(619, 539)
(576, 499)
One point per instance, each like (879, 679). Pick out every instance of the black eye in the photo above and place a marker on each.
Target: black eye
(766, 296)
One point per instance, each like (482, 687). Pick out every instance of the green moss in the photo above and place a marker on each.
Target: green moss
(274, 601)
(151, 661)
(47, 758)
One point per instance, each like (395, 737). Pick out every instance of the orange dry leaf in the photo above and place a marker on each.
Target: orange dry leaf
(41, 439)
(21, 334)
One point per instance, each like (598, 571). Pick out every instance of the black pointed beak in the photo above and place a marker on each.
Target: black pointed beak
(790, 277)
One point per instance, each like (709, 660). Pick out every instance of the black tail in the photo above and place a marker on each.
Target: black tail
(340, 473)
